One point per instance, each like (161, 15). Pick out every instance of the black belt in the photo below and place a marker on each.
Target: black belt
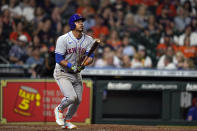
(68, 72)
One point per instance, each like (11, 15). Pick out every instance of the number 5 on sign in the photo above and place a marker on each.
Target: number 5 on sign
(24, 105)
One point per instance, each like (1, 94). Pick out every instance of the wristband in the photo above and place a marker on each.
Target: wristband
(69, 65)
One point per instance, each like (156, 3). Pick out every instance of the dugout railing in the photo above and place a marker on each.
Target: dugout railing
(138, 96)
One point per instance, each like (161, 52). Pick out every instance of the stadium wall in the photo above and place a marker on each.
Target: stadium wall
(140, 97)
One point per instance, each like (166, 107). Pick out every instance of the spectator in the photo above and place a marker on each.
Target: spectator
(38, 23)
(164, 19)
(107, 61)
(90, 33)
(188, 64)
(146, 60)
(129, 24)
(168, 30)
(132, 2)
(29, 11)
(161, 47)
(19, 31)
(192, 113)
(55, 19)
(47, 69)
(104, 61)
(168, 53)
(119, 5)
(25, 9)
(36, 58)
(39, 14)
(46, 35)
(188, 33)
(48, 6)
(105, 3)
(66, 29)
(170, 8)
(145, 2)
(90, 21)
(120, 8)
(114, 39)
(136, 62)
(103, 38)
(100, 62)
(7, 22)
(188, 50)
(11, 6)
(192, 2)
(150, 2)
(191, 11)
(140, 59)
(17, 53)
(37, 44)
(4, 46)
(108, 17)
(141, 17)
(59, 3)
(118, 19)
(69, 7)
(99, 28)
(59, 30)
(128, 49)
(126, 61)
(179, 60)
(168, 63)
(194, 24)
(2, 36)
(117, 58)
(100, 49)
(181, 20)
(85, 4)
(151, 27)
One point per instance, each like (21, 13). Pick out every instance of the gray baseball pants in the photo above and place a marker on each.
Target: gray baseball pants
(71, 87)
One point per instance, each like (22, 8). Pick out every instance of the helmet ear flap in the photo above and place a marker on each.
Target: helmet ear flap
(74, 18)
(72, 26)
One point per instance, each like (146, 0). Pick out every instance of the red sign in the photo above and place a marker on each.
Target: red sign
(34, 101)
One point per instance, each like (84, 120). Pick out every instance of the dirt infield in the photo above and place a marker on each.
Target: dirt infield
(93, 127)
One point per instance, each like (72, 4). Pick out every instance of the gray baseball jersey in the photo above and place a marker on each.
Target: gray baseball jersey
(72, 48)
(70, 84)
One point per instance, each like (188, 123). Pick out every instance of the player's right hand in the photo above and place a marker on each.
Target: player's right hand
(80, 68)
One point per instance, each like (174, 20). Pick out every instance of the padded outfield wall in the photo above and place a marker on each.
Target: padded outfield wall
(144, 97)
(34, 100)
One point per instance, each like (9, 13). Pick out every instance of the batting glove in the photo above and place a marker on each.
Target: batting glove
(80, 68)
(74, 68)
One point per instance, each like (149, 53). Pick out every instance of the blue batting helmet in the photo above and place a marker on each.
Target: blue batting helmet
(74, 18)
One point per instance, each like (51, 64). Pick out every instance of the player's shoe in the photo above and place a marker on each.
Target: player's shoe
(59, 117)
(69, 125)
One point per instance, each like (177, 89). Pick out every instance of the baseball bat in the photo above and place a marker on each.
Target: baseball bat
(93, 48)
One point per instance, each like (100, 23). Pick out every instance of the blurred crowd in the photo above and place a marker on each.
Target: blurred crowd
(158, 34)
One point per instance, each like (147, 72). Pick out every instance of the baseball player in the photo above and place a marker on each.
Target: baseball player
(71, 49)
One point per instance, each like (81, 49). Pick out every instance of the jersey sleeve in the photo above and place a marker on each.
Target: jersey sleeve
(60, 46)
